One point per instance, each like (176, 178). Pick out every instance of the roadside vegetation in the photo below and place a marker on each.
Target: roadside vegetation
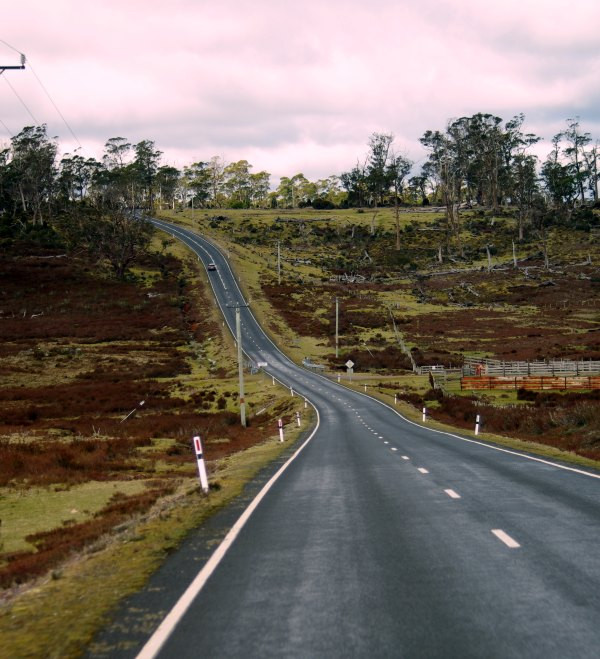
(113, 355)
(105, 380)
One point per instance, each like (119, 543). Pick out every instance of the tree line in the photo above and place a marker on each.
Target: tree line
(480, 159)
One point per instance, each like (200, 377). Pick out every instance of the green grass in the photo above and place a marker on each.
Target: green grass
(26, 511)
(32, 625)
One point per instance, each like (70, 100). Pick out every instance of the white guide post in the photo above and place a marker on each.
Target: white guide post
(280, 424)
(298, 418)
(201, 465)
(477, 420)
(424, 414)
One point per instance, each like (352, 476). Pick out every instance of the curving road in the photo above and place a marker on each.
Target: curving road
(383, 538)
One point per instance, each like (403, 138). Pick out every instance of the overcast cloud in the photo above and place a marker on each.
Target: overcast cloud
(294, 87)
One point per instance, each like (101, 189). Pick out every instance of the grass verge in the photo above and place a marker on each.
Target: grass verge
(87, 588)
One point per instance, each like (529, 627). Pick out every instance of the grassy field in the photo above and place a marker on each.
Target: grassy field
(463, 306)
(92, 499)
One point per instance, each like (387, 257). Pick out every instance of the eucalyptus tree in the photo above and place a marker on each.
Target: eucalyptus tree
(236, 184)
(76, 176)
(446, 163)
(525, 187)
(575, 152)
(378, 172)
(197, 179)
(354, 183)
(144, 169)
(167, 180)
(260, 185)
(559, 178)
(398, 168)
(31, 173)
(216, 168)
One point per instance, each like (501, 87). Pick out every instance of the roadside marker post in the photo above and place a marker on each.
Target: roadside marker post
(395, 399)
(273, 381)
(339, 377)
(298, 418)
(424, 414)
(292, 392)
(365, 387)
(477, 422)
(201, 465)
(305, 403)
(280, 424)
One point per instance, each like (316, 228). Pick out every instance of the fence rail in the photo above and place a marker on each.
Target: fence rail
(497, 367)
(532, 383)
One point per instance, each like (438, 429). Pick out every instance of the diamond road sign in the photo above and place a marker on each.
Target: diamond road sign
(349, 364)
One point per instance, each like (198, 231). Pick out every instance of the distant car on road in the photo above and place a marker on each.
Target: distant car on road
(211, 266)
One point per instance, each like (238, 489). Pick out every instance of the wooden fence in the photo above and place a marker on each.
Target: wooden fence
(473, 366)
(533, 383)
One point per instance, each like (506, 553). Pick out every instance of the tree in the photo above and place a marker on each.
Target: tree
(145, 168)
(31, 172)
(378, 179)
(216, 168)
(397, 170)
(167, 180)
(260, 184)
(355, 184)
(237, 184)
(197, 178)
(559, 179)
(575, 152)
(525, 186)
(76, 176)
(120, 238)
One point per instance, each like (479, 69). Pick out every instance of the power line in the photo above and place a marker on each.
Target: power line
(54, 104)
(6, 128)
(11, 47)
(22, 101)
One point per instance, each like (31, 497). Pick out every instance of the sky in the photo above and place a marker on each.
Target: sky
(293, 86)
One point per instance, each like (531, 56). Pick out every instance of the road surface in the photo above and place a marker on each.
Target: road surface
(383, 538)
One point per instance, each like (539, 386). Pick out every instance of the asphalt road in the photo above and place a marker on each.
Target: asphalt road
(386, 539)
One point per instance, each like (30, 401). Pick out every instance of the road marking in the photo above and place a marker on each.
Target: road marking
(423, 470)
(166, 627)
(452, 494)
(505, 538)
(405, 457)
(385, 442)
(394, 448)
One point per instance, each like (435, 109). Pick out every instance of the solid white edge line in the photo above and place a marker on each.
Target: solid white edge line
(506, 539)
(474, 441)
(452, 494)
(412, 423)
(166, 627)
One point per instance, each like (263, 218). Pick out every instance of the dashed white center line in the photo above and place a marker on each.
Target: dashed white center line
(452, 494)
(405, 457)
(386, 442)
(423, 470)
(394, 448)
(505, 538)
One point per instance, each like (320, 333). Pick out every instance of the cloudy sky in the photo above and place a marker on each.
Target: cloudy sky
(294, 86)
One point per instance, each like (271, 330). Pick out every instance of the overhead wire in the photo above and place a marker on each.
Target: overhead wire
(22, 101)
(6, 128)
(55, 106)
(45, 91)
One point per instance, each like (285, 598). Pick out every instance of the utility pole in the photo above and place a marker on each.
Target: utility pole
(278, 263)
(238, 333)
(337, 326)
(22, 66)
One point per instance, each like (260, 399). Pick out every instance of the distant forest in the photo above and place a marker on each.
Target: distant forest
(479, 160)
